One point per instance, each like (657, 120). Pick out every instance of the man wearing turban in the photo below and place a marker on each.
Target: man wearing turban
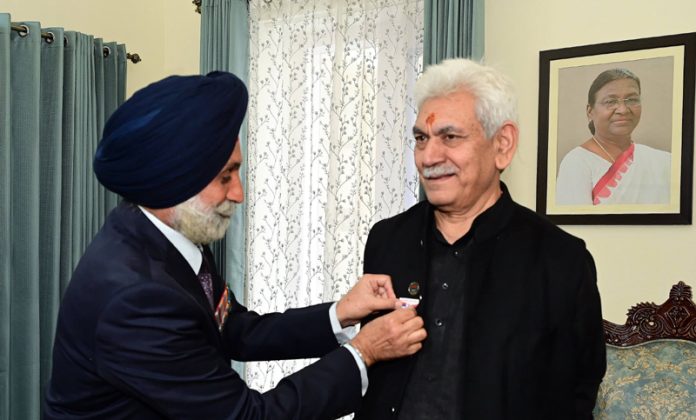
(147, 328)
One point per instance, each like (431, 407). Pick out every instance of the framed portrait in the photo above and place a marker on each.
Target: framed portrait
(616, 132)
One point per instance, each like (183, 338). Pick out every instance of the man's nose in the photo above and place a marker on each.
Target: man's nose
(235, 192)
(432, 152)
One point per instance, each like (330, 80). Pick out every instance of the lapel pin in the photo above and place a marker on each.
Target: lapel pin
(413, 288)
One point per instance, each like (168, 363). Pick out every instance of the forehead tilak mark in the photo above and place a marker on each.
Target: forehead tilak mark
(430, 120)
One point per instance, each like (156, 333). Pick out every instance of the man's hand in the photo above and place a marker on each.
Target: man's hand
(372, 293)
(391, 336)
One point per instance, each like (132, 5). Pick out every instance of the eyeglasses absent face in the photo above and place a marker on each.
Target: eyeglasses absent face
(614, 103)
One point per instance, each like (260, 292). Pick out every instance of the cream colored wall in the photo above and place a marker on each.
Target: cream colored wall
(635, 263)
(164, 32)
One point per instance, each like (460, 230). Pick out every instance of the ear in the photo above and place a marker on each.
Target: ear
(588, 110)
(505, 143)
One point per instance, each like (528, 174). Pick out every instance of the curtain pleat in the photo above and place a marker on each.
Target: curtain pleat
(25, 65)
(453, 28)
(100, 53)
(50, 174)
(69, 211)
(53, 104)
(114, 87)
(5, 198)
(121, 58)
(85, 136)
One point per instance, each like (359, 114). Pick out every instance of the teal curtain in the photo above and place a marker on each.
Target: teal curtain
(453, 28)
(5, 246)
(53, 102)
(225, 46)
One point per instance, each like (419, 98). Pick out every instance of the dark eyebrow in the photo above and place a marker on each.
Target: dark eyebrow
(417, 131)
(231, 167)
(448, 129)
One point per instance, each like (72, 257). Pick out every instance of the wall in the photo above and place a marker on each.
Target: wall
(635, 263)
(164, 32)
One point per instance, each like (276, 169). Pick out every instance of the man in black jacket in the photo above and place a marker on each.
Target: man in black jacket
(509, 300)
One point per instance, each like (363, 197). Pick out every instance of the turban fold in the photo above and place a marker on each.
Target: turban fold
(171, 138)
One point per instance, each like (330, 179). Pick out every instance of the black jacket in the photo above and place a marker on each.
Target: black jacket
(533, 328)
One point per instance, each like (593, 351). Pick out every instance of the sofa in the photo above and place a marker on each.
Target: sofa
(651, 361)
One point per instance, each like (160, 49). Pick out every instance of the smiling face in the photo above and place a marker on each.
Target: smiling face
(458, 166)
(616, 110)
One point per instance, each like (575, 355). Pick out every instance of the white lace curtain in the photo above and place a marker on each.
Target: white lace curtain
(329, 145)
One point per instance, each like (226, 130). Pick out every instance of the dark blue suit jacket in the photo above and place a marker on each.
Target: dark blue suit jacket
(136, 339)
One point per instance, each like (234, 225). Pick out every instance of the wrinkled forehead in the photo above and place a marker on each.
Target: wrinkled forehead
(454, 109)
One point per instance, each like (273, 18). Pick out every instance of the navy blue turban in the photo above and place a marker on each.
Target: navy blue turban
(171, 138)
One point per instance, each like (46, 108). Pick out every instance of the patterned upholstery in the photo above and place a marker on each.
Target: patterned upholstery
(651, 361)
(655, 380)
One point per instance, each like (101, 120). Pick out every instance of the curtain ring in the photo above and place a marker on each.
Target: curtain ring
(50, 37)
(24, 32)
(107, 51)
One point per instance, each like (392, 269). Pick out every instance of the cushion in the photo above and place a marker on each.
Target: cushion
(655, 380)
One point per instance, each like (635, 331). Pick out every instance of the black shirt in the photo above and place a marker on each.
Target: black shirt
(435, 386)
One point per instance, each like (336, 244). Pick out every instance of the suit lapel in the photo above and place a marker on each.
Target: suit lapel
(413, 267)
(166, 258)
(176, 266)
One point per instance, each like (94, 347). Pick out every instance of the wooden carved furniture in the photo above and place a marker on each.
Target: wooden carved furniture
(674, 319)
(651, 361)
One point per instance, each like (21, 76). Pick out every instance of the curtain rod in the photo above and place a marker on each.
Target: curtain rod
(23, 31)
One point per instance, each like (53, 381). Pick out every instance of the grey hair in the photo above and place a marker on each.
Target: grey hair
(495, 96)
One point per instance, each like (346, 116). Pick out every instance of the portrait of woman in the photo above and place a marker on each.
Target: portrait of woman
(610, 166)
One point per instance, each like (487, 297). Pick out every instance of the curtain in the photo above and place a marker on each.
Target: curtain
(53, 101)
(225, 46)
(329, 145)
(453, 28)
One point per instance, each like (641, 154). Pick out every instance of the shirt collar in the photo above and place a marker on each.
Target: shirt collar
(190, 251)
(486, 225)
(495, 218)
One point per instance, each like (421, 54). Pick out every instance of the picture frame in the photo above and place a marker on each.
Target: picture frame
(650, 184)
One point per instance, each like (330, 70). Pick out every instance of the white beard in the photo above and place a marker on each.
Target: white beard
(200, 223)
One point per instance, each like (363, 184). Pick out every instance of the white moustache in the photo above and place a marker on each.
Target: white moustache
(226, 209)
(438, 171)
